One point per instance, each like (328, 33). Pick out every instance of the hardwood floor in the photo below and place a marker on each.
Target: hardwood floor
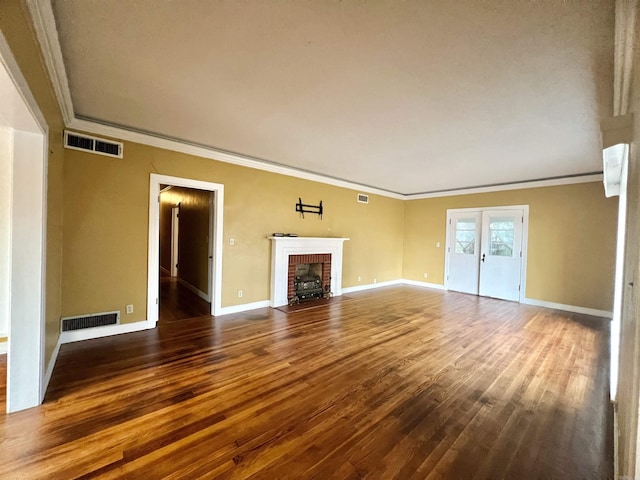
(177, 302)
(401, 382)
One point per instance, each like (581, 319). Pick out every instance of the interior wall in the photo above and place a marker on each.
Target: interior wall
(106, 216)
(571, 243)
(16, 26)
(5, 224)
(629, 367)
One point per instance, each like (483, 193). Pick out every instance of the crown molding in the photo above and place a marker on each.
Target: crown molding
(625, 20)
(44, 24)
(220, 155)
(548, 182)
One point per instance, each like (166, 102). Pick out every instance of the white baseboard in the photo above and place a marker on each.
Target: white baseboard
(50, 367)
(195, 290)
(369, 286)
(99, 332)
(244, 307)
(416, 283)
(401, 281)
(568, 308)
(165, 271)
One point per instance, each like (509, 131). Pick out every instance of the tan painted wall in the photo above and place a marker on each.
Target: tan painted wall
(106, 227)
(16, 27)
(572, 232)
(194, 230)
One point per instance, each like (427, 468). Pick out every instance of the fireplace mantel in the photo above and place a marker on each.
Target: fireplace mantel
(282, 247)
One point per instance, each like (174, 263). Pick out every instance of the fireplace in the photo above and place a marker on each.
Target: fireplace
(309, 277)
(288, 252)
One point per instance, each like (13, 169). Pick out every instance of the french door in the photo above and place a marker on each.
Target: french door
(485, 252)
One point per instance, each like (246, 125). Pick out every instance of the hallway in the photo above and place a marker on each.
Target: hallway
(178, 302)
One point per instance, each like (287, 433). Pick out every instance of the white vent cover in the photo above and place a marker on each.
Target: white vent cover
(86, 143)
(362, 198)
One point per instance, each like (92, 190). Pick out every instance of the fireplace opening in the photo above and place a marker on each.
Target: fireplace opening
(309, 277)
(307, 283)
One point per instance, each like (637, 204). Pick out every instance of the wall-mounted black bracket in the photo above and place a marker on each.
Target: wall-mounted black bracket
(303, 208)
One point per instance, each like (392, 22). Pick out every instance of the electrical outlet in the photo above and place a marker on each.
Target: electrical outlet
(437, 244)
(129, 309)
(375, 280)
(425, 275)
(359, 278)
(240, 293)
(232, 242)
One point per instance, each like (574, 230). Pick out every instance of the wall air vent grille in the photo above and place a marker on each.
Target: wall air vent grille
(90, 321)
(86, 143)
(362, 198)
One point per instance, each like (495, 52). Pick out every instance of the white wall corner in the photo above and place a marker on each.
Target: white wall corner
(50, 366)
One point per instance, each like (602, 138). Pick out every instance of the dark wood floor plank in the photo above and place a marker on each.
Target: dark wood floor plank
(400, 382)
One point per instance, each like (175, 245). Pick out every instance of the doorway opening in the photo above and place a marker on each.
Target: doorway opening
(487, 251)
(186, 215)
(200, 218)
(23, 180)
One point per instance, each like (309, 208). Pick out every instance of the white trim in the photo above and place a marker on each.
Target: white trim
(3, 347)
(28, 241)
(167, 272)
(45, 26)
(369, 286)
(244, 307)
(552, 182)
(416, 283)
(153, 272)
(283, 247)
(525, 242)
(568, 308)
(213, 153)
(193, 289)
(106, 331)
(51, 366)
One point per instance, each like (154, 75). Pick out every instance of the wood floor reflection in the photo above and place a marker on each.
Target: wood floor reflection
(401, 382)
(177, 302)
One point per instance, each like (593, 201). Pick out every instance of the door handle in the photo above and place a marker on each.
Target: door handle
(482, 257)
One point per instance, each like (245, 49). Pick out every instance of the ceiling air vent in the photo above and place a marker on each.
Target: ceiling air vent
(86, 143)
(362, 198)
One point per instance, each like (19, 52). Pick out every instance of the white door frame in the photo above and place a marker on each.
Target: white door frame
(26, 381)
(175, 229)
(215, 283)
(525, 241)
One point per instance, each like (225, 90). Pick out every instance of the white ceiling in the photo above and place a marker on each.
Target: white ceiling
(405, 96)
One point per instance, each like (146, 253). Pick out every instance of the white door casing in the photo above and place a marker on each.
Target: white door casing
(175, 225)
(215, 232)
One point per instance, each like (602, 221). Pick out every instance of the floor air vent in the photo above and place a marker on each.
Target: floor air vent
(90, 321)
(86, 143)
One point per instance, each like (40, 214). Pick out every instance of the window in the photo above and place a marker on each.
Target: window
(466, 236)
(501, 236)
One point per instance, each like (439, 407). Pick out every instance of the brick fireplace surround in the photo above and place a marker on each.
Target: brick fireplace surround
(323, 258)
(304, 248)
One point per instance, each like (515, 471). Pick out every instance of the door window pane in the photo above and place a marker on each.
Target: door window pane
(501, 236)
(465, 236)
